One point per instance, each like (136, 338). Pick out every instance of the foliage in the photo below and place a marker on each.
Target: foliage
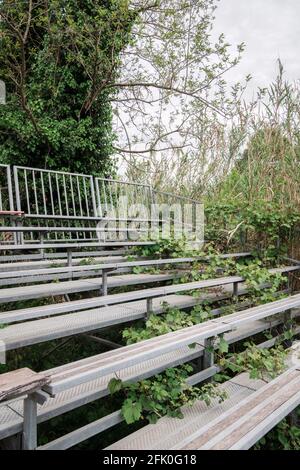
(55, 57)
(166, 248)
(283, 437)
(265, 226)
(257, 276)
(171, 320)
(260, 363)
(163, 395)
(173, 64)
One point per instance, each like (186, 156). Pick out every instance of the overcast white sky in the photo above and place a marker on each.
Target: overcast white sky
(270, 29)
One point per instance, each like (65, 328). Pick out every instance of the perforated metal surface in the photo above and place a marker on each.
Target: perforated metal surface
(23, 334)
(19, 266)
(11, 421)
(169, 432)
(68, 287)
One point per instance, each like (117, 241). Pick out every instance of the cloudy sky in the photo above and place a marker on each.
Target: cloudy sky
(270, 29)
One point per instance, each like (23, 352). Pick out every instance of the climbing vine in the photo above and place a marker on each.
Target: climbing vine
(163, 395)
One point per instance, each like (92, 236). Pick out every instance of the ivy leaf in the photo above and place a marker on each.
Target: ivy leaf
(223, 346)
(152, 418)
(131, 411)
(115, 385)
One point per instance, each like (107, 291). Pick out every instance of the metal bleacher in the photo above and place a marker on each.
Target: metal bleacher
(58, 255)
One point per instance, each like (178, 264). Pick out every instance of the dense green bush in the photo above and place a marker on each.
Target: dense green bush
(55, 59)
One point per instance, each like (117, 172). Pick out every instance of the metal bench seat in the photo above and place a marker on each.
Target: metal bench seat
(78, 372)
(16, 259)
(252, 410)
(111, 266)
(46, 290)
(59, 262)
(38, 291)
(243, 425)
(169, 432)
(74, 245)
(11, 413)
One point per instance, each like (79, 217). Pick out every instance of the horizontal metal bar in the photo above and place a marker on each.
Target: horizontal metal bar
(102, 424)
(128, 183)
(86, 304)
(50, 171)
(98, 267)
(77, 245)
(97, 219)
(84, 433)
(177, 197)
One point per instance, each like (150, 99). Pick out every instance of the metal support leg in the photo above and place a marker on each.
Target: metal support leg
(104, 282)
(29, 441)
(42, 251)
(69, 257)
(287, 324)
(208, 355)
(70, 262)
(235, 289)
(19, 236)
(13, 223)
(149, 308)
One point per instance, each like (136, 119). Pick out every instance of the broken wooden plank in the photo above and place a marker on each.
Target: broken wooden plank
(20, 382)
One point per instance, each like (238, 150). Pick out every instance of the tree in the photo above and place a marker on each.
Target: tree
(56, 57)
(171, 91)
(69, 63)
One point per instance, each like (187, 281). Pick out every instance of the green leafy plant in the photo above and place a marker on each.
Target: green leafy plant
(163, 395)
(260, 363)
(284, 436)
(171, 320)
(166, 248)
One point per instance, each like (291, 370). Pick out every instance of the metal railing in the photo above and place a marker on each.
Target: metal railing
(77, 201)
(47, 193)
(6, 193)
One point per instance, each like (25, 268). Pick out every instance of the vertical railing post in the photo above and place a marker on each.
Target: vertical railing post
(19, 237)
(29, 440)
(10, 189)
(95, 195)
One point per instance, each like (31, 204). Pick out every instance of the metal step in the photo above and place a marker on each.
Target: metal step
(169, 432)
(40, 264)
(39, 291)
(11, 414)
(38, 331)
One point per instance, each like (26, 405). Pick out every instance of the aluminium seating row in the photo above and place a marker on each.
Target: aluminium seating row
(65, 379)
(256, 407)
(77, 317)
